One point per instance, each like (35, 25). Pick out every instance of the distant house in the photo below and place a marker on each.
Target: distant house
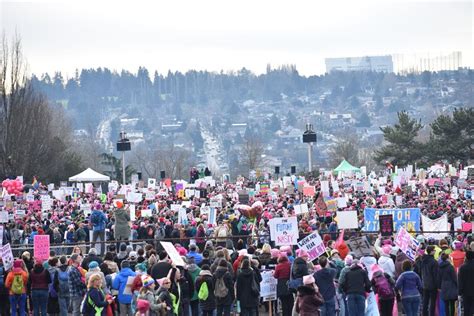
(345, 118)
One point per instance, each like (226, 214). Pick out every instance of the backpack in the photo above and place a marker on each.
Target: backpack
(18, 286)
(203, 291)
(63, 281)
(383, 287)
(220, 291)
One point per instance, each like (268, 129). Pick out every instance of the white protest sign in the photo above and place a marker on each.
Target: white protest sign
(20, 213)
(46, 203)
(30, 198)
(341, 202)
(146, 212)
(325, 187)
(151, 183)
(347, 219)
(313, 245)
(215, 202)
(150, 195)
(1, 234)
(382, 190)
(172, 253)
(457, 223)
(175, 207)
(398, 200)
(132, 212)
(7, 257)
(128, 286)
(205, 210)
(432, 225)
(182, 217)
(335, 186)
(301, 208)
(3, 216)
(285, 231)
(51, 187)
(268, 286)
(89, 188)
(134, 197)
(212, 219)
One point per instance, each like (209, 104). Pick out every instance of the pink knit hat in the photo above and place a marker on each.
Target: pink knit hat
(387, 249)
(160, 281)
(308, 279)
(376, 268)
(301, 253)
(275, 253)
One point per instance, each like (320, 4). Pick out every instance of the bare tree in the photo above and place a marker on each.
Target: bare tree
(252, 155)
(345, 148)
(34, 136)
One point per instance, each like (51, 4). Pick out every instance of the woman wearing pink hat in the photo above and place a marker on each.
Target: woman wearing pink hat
(309, 299)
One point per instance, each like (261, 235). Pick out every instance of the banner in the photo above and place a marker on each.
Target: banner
(433, 225)
(313, 245)
(7, 257)
(409, 218)
(41, 247)
(407, 243)
(284, 231)
(386, 225)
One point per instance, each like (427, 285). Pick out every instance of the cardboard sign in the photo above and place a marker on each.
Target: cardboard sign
(313, 245)
(309, 190)
(301, 208)
(360, 246)
(173, 253)
(347, 220)
(284, 231)
(41, 247)
(433, 225)
(386, 224)
(3, 217)
(268, 286)
(457, 223)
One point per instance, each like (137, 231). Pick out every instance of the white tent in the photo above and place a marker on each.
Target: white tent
(89, 175)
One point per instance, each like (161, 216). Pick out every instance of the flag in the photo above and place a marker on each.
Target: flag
(35, 183)
(341, 245)
(320, 205)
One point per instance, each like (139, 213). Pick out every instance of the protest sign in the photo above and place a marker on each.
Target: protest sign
(215, 202)
(243, 197)
(335, 186)
(360, 246)
(172, 253)
(408, 218)
(1, 234)
(434, 225)
(284, 231)
(341, 202)
(300, 208)
(46, 203)
(146, 212)
(134, 197)
(308, 191)
(407, 243)
(268, 286)
(313, 245)
(150, 195)
(212, 219)
(382, 190)
(41, 247)
(128, 286)
(457, 223)
(386, 224)
(347, 219)
(182, 217)
(325, 187)
(3, 217)
(132, 212)
(151, 183)
(20, 213)
(7, 257)
(331, 204)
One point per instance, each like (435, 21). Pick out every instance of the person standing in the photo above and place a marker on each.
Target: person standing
(355, 284)
(448, 284)
(409, 283)
(309, 299)
(223, 289)
(282, 274)
(466, 283)
(325, 282)
(96, 300)
(39, 280)
(206, 302)
(119, 284)
(61, 283)
(248, 290)
(122, 224)
(77, 287)
(16, 283)
(99, 223)
(429, 277)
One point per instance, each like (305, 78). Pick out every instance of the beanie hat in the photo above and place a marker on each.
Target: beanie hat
(17, 263)
(301, 253)
(376, 268)
(93, 264)
(140, 267)
(147, 280)
(387, 249)
(275, 253)
(457, 245)
(308, 279)
(143, 305)
(160, 281)
(348, 260)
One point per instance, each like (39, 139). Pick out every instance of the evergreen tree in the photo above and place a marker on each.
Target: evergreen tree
(401, 148)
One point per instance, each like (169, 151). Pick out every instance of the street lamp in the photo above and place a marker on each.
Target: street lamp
(309, 137)
(123, 145)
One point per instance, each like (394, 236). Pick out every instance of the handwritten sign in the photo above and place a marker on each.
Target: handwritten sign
(301, 208)
(386, 224)
(285, 231)
(41, 247)
(3, 217)
(407, 243)
(268, 286)
(7, 257)
(360, 246)
(313, 245)
(308, 190)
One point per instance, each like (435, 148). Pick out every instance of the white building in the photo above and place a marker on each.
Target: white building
(367, 63)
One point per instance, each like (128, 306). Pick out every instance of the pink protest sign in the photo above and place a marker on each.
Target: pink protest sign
(313, 244)
(41, 247)
(308, 191)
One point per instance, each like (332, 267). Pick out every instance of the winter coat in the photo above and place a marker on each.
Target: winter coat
(205, 276)
(119, 284)
(122, 226)
(89, 259)
(160, 270)
(40, 278)
(429, 272)
(308, 301)
(399, 262)
(325, 281)
(447, 281)
(264, 259)
(194, 270)
(164, 296)
(99, 300)
(355, 281)
(224, 273)
(11, 275)
(299, 268)
(150, 297)
(457, 256)
(465, 279)
(187, 286)
(387, 265)
(409, 283)
(248, 291)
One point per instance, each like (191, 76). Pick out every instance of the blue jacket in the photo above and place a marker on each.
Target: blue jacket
(197, 257)
(409, 283)
(119, 284)
(325, 281)
(102, 220)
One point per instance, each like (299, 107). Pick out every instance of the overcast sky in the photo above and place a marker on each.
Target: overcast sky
(229, 35)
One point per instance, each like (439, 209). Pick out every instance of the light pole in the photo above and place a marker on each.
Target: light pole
(123, 145)
(309, 137)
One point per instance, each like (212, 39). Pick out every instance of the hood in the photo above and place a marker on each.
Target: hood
(220, 271)
(126, 272)
(205, 272)
(306, 290)
(444, 264)
(63, 268)
(246, 272)
(38, 268)
(122, 255)
(427, 258)
(192, 267)
(377, 273)
(355, 266)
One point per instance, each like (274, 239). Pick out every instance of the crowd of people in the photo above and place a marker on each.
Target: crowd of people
(224, 254)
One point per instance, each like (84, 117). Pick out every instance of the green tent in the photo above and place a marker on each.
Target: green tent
(344, 166)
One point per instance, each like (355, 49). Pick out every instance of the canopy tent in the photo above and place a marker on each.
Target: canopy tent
(344, 166)
(89, 175)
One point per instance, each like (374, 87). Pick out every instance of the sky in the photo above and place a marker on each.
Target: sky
(226, 35)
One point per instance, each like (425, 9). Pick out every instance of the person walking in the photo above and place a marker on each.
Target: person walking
(205, 288)
(61, 283)
(223, 289)
(429, 277)
(410, 286)
(248, 290)
(384, 287)
(355, 284)
(119, 284)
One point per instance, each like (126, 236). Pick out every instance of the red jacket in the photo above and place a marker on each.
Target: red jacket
(458, 258)
(282, 270)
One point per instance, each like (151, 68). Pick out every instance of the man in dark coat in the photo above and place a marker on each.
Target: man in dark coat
(466, 283)
(429, 277)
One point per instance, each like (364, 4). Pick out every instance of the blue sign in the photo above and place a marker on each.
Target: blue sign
(409, 218)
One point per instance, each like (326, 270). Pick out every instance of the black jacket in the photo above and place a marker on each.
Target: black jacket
(222, 272)
(356, 281)
(248, 292)
(447, 281)
(429, 272)
(299, 268)
(160, 270)
(466, 279)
